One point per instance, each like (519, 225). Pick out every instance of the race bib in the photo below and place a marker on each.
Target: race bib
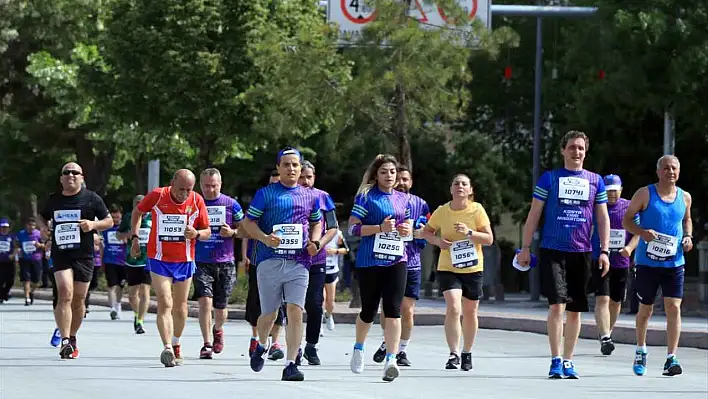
(663, 248)
(67, 236)
(617, 239)
(113, 238)
(5, 246)
(388, 246)
(463, 254)
(143, 236)
(28, 247)
(290, 236)
(171, 228)
(217, 216)
(332, 262)
(573, 191)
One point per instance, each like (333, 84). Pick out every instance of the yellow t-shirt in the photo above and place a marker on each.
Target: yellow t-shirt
(443, 220)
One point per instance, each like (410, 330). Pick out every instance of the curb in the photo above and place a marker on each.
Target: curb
(487, 321)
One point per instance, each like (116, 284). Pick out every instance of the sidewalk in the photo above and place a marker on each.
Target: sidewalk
(514, 314)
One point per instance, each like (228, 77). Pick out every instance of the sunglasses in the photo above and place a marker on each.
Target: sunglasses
(70, 172)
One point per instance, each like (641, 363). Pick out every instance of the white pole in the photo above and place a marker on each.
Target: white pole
(153, 174)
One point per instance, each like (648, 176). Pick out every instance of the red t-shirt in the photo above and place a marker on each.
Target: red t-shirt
(169, 220)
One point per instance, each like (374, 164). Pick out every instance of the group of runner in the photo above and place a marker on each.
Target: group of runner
(292, 241)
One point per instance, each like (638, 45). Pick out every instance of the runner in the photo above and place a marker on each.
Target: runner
(216, 271)
(335, 250)
(420, 212)
(137, 275)
(97, 263)
(114, 262)
(464, 227)
(380, 216)
(72, 213)
(569, 199)
(318, 275)
(180, 218)
(666, 232)
(274, 176)
(7, 262)
(31, 251)
(291, 216)
(611, 288)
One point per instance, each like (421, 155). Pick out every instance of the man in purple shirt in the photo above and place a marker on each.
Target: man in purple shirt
(285, 220)
(216, 271)
(7, 261)
(31, 252)
(315, 287)
(610, 289)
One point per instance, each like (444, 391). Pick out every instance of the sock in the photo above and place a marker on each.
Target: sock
(256, 338)
(557, 357)
(140, 321)
(289, 362)
(135, 315)
(642, 349)
(390, 356)
(168, 346)
(383, 346)
(175, 341)
(670, 355)
(465, 352)
(403, 345)
(606, 337)
(359, 346)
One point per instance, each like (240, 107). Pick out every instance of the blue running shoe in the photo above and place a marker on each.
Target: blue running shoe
(640, 363)
(291, 373)
(569, 370)
(672, 367)
(556, 371)
(56, 338)
(257, 360)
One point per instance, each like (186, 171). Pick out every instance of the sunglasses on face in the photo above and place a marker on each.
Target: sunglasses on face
(70, 172)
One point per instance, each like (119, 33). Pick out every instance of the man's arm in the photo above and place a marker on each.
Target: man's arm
(687, 221)
(603, 226)
(135, 218)
(103, 224)
(532, 220)
(639, 201)
(253, 230)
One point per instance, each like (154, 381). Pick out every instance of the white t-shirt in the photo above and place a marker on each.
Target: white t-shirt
(332, 262)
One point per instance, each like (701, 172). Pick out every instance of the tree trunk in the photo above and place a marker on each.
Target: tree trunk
(401, 129)
(206, 143)
(97, 167)
(140, 172)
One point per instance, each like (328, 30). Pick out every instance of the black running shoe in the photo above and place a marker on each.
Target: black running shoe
(402, 359)
(607, 346)
(453, 361)
(380, 354)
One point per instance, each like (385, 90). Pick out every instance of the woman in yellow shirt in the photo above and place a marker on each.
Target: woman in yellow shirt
(464, 227)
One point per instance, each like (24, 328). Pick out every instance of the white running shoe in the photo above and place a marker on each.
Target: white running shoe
(329, 321)
(391, 371)
(357, 362)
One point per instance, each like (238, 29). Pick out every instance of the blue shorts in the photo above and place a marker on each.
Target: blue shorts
(413, 284)
(649, 279)
(178, 271)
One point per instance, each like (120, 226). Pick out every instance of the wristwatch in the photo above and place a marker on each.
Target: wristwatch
(605, 252)
(134, 236)
(317, 244)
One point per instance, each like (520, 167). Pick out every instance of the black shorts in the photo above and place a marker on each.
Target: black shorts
(115, 275)
(331, 278)
(613, 284)
(83, 268)
(30, 270)
(649, 279)
(137, 275)
(386, 284)
(565, 277)
(215, 280)
(253, 300)
(469, 283)
(413, 284)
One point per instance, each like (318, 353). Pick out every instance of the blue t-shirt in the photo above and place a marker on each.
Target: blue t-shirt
(26, 241)
(288, 212)
(326, 205)
(114, 249)
(222, 210)
(381, 249)
(6, 246)
(570, 198)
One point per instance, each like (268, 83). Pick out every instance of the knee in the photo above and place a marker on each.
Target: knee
(645, 311)
(453, 310)
(602, 301)
(672, 307)
(367, 314)
(407, 311)
(164, 303)
(556, 311)
(65, 295)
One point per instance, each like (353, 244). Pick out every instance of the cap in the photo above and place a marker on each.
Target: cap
(521, 268)
(4, 222)
(287, 151)
(613, 182)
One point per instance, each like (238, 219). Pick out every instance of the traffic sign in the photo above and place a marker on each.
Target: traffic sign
(352, 16)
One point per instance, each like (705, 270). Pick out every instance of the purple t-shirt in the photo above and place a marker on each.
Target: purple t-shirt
(570, 198)
(27, 248)
(288, 212)
(114, 250)
(617, 232)
(223, 210)
(326, 205)
(418, 208)
(6, 247)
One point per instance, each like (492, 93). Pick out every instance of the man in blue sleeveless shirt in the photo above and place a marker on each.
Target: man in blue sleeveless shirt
(568, 198)
(665, 229)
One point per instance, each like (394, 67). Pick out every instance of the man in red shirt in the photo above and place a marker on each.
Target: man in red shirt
(179, 218)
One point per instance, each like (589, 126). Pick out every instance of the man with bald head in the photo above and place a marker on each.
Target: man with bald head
(74, 214)
(179, 219)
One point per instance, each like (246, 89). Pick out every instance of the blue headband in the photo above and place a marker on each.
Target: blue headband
(287, 151)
